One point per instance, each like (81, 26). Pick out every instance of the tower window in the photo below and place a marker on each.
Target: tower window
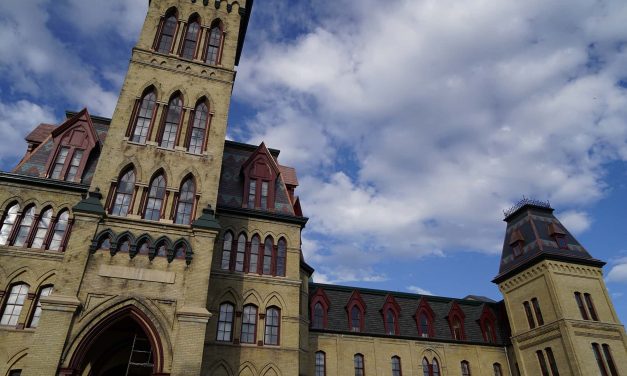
(281, 257)
(609, 359)
(214, 44)
(561, 241)
(268, 255)
(43, 226)
(593, 312)
(156, 193)
(272, 327)
(144, 117)
(168, 29)
(530, 320)
(59, 233)
(185, 204)
(241, 252)
(249, 324)
(43, 292)
(253, 259)
(24, 229)
(358, 361)
(173, 117)
(582, 309)
(10, 218)
(124, 194)
(542, 363)
(225, 322)
(552, 363)
(198, 134)
(226, 251)
(396, 366)
(14, 304)
(537, 311)
(191, 39)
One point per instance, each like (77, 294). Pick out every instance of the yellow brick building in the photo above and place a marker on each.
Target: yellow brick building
(146, 244)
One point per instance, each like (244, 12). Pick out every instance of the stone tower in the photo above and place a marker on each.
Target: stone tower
(559, 310)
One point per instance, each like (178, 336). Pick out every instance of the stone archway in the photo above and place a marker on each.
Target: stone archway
(125, 343)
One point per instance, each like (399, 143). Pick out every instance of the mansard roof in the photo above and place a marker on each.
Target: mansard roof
(408, 304)
(533, 227)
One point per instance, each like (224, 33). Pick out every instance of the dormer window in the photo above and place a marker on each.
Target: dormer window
(356, 309)
(260, 173)
(391, 311)
(456, 322)
(517, 242)
(558, 235)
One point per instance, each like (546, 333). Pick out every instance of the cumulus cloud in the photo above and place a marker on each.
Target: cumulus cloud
(418, 290)
(16, 121)
(411, 136)
(618, 272)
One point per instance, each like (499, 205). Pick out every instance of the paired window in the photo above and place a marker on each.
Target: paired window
(67, 163)
(192, 34)
(542, 361)
(251, 257)
(465, 368)
(530, 315)
(587, 311)
(358, 361)
(396, 366)
(248, 333)
(604, 359)
(430, 368)
(28, 229)
(321, 367)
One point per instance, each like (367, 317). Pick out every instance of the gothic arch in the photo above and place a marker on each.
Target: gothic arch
(130, 163)
(229, 295)
(204, 95)
(247, 369)
(46, 277)
(30, 202)
(252, 297)
(10, 202)
(270, 370)
(153, 84)
(13, 361)
(160, 168)
(190, 171)
(23, 274)
(181, 92)
(275, 299)
(98, 320)
(221, 368)
(430, 353)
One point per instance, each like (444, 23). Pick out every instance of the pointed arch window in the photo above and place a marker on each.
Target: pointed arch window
(190, 40)
(225, 322)
(356, 309)
(43, 226)
(185, 204)
(249, 324)
(356, 318)
(430, 369)
(268, 255)
(318, 316)
(214, 44)
(173, 116)
(321, 368)
(487, 322)
(59, 234)
(396, 366)
(358, 361)
(253, 259)
(281, 256)
(143, 120)
(456, 322)
(226, 251)
(25, 225)
(168, 30)
(14, 304)
(200, 124)
(43, 292)
(240, 252)
(272, 326)
(156, 194)
(319, 307)
(10, 217)
(122, 203)
(391, 311)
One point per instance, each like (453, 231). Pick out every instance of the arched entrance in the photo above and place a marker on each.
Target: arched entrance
(125, 343)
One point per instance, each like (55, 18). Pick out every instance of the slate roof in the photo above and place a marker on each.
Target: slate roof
(289, 175)
(534, 223)
(375, 299)
(40, 133)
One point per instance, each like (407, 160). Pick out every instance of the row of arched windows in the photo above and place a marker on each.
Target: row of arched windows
(16, 301)
(429, 368)
(424, 317)
(248, 325)
(154, 199)
(142, 245)
(170, 128)
(252, 256)
(192, 35)
(32, 229)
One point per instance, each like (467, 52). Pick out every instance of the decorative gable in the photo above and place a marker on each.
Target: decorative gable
(487, 322)
(425, 329)
(260, 178)
(455, 320)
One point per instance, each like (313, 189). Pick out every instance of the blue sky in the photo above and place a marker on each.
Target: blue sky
(412, 124)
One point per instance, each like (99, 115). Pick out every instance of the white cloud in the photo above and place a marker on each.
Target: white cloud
(16, 121)
(418, 290)
(446, 116)
(618, 272)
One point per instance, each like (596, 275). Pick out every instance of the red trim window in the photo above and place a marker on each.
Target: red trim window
(144, 117)
(391, 311)
(14, 304)
(167, 32)
(249, 324)
(43, 227)
(199, 127)
(396, 366)
(60, 232)
(268, 255)
(424, 319)
(465, 368)
(43, 292)
(356, 308)
(281, 255)
(192, 34)
(124, 193)
(253, 258)
(487, 323)
(215, 40)
(185, 203)
(25, 224)
(240, 253)
(273, 326)
(321, 367)
(456, 322)
(319, 308)
(358, 361)
(430, 369)
(156, 194)
(173, 117)
(10, 217)
(225, 323)
(227, 244)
